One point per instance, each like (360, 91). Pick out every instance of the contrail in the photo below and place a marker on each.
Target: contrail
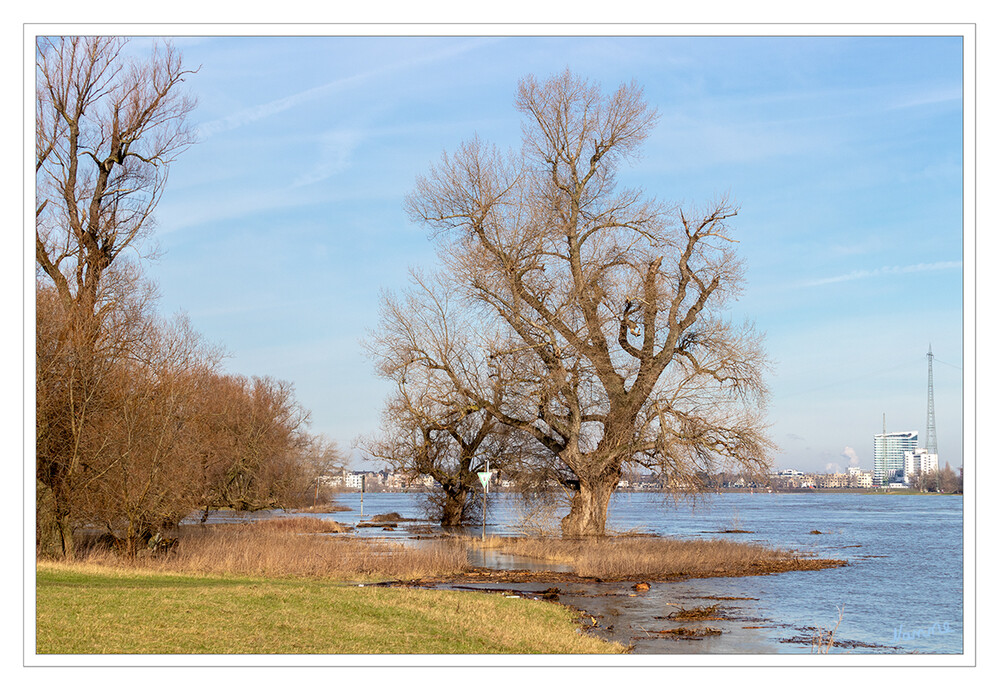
(258, 112)
(888, 270)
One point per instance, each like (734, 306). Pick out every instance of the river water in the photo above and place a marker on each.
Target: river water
(901, 593)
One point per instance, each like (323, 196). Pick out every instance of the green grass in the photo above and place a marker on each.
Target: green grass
(90, 610)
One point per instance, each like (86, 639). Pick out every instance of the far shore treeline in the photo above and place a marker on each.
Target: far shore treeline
(136, 425)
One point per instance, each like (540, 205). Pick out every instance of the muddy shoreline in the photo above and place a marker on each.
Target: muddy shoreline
(651, 615)
(661, 619)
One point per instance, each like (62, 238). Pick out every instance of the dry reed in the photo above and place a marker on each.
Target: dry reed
(297, 525)
(823, 640)
(292, 547)
(660, 559)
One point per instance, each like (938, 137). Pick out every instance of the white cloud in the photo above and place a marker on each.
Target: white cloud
(887, 270)
(851, 455)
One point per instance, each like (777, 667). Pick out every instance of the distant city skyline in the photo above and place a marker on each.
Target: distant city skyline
(281, 228)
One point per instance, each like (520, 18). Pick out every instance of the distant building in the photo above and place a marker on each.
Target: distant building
(354, 479)
(837, 480)
(889, 455)
(858, 478)
(919, 461)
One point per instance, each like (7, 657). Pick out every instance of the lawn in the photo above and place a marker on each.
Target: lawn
(95, 610)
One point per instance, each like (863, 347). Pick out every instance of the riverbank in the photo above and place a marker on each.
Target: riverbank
(304, 585)
(97, 610)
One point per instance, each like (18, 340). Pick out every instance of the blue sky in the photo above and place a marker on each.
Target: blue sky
(281, 227)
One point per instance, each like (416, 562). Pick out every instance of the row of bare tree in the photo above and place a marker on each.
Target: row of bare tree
(136, 426)
(941, 480)
(577, 328)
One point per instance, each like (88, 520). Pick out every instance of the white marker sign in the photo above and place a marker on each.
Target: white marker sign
(484, 478)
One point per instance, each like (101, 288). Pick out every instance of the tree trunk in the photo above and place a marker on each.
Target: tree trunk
(588, 512)
(66, 537)
(454, 508)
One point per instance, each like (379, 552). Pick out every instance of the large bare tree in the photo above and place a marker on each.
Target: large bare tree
(602, 308)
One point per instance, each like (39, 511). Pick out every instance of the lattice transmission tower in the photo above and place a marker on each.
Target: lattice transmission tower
(931, 421)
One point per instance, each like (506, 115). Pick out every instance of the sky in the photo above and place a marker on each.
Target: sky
(281, 228)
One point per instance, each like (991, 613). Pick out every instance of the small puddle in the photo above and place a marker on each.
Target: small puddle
(496, 560)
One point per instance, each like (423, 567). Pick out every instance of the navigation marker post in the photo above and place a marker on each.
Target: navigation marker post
(484, 479)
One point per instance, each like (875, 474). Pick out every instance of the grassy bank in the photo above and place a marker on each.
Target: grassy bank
(87, 609)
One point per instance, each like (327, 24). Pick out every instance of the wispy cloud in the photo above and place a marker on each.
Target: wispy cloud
(929, 97)
(887, 270)
(335, 148)
(258, 112)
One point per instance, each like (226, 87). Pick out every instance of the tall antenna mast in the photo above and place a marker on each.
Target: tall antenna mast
(931, 421)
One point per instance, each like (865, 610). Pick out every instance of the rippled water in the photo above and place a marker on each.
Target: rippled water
(905, 573)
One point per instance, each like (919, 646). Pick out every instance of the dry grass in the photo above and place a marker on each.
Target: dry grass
(327, 508)
(660, 559)
(298, 525)
(292, 547)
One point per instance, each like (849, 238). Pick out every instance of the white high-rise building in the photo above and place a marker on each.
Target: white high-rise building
(889, 454)
(919, 461)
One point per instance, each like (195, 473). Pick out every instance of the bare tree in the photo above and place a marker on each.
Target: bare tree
(600, 307)
(944, 480)
(321, 458)
(77, 373)
(106, 129)
(429, 427)
(140, 470)
(254, 449)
